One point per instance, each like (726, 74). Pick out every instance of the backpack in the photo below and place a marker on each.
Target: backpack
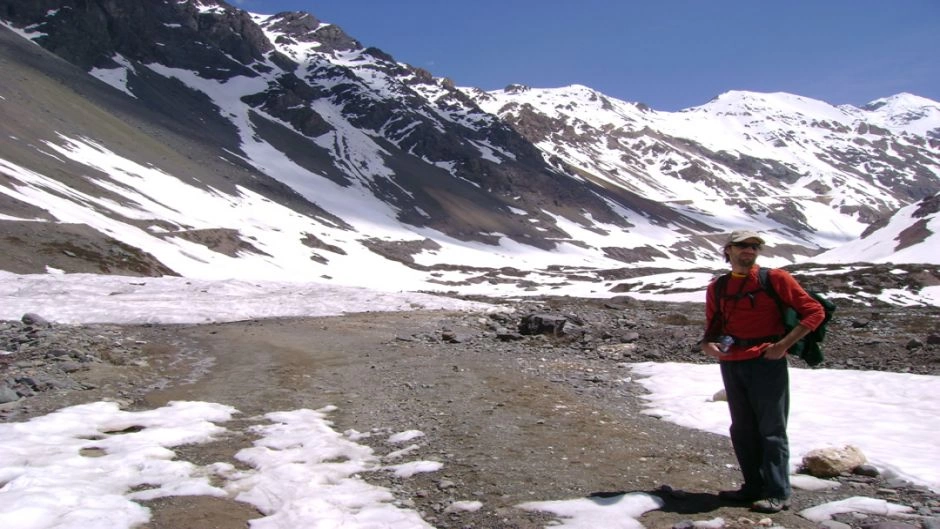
(809, 348)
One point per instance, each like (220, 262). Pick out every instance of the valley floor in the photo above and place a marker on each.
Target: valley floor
(530, 419)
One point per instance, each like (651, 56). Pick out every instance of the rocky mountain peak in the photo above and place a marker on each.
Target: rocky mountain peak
(208, 37)
(907, 112)
(901, 100)
(516, 88)
(292, 28)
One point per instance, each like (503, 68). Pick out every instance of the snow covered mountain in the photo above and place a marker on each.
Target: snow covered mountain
(197, 139)
(804, 169)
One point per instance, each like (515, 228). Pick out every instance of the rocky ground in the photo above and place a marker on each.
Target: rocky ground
(514, 417)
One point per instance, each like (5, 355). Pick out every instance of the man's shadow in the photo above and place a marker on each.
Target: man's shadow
(674, 501)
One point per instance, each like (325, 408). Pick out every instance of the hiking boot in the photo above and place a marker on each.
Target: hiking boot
(770, 505)
(741, 495)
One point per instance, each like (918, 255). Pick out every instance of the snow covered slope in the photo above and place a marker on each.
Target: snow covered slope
(912, 235)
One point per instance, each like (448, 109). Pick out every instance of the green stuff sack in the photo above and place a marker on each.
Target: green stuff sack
(810, 347)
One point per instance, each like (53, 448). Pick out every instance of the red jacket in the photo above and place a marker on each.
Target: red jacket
(755, 313)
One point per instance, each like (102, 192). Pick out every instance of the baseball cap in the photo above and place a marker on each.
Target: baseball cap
(743, 235)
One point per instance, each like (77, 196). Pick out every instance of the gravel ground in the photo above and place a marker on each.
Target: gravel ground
(512, 417)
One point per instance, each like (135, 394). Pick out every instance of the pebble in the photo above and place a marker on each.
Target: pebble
(931, 523)
(832, 524)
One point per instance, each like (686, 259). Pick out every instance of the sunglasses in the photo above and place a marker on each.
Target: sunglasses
(756, 246)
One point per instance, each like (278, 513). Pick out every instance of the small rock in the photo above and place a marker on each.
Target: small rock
(832, 524)
(71, 367)
(7, 394)
(452, 337)
(931, 523)
(676, 319)
(866, 470)
(509, 336)
(57, 353)
(629, 337)
(897, 483)
(31, 318)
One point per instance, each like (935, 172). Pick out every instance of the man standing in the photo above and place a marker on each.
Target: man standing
(745, 332)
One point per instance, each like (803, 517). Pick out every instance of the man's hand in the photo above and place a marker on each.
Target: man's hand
(711, 349)
(775, 351)
(778, 350)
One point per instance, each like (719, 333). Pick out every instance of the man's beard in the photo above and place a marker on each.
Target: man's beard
(746, 260)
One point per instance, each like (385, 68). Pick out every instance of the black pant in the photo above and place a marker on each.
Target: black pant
(758, 393)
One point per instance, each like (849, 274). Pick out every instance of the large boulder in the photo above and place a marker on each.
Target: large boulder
(831, 462)
(549, 324)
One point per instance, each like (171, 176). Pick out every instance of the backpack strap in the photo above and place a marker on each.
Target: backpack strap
(713, 331)
(763, 279)
(721, 285)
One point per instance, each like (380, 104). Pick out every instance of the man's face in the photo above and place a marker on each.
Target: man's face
(744, 253)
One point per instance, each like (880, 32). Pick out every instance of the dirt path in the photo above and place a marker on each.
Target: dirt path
(504, 433)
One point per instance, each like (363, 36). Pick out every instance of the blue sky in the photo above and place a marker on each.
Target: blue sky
(669, 54)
